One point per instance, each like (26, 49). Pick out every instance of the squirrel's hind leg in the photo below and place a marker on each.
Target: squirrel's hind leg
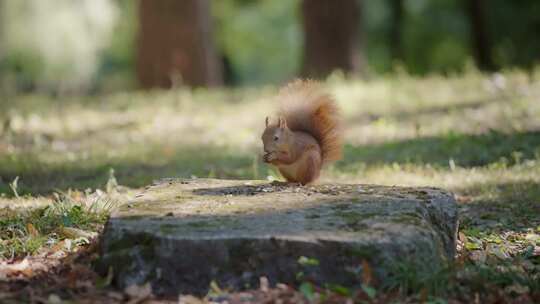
(287, 175)
(309, 171)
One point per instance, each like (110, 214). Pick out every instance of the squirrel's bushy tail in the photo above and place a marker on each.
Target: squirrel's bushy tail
(306, 108)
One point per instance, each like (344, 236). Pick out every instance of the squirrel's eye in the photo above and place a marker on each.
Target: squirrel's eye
(276, 138)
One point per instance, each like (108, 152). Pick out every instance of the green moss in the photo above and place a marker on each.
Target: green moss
(423, 196)
(130, 240)
(201, 224)
(408, 218)
(352, 219)
(362, 252)
(134, 217)
(168, 228)
(341, 207)
(210, 224)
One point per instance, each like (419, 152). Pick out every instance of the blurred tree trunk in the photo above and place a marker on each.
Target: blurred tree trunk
(396, 46)
(229, 75)
(481, 42)
(331, 34)
(175, 44)
(2, 42)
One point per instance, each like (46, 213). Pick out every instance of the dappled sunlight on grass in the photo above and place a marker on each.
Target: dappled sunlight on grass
(470, 121)
(477, 136)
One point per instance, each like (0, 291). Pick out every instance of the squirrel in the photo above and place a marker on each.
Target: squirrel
(306, 135)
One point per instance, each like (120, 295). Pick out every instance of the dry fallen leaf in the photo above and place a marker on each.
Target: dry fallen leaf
(58, 246)
(54, 299)
(366, 273)
(138, 293)
(10, 270)
(462, 237)
(73, 233)
(32, 230)
(264, 284)
(463, 199)
(189, 300)
(115, 295)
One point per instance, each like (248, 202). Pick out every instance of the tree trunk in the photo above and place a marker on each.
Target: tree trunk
(2, 26)
(331, 30)
(396, 48)
(175, 44)
(480, 39)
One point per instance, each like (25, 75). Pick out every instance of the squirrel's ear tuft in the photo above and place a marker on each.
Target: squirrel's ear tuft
(282, 123)
(267, 121)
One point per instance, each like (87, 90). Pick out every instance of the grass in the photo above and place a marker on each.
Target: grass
(27, 231)
(476, 135)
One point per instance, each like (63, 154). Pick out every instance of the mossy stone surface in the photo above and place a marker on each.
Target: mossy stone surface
(182, 234)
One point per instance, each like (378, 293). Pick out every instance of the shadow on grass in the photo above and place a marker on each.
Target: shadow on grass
(494, 207)
(464, 150)
(437, 110)
(36, 177)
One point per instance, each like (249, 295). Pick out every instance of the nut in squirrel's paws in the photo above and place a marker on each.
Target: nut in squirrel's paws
(269, 157)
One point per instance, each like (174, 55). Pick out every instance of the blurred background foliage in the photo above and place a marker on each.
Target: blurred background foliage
(90, 45)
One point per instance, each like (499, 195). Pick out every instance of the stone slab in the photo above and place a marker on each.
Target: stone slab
(182, 234)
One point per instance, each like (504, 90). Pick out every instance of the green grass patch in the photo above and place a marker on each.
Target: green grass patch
(25, 232)
(448, 150)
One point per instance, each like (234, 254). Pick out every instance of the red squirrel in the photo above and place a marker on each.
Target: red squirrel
(306, 135)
